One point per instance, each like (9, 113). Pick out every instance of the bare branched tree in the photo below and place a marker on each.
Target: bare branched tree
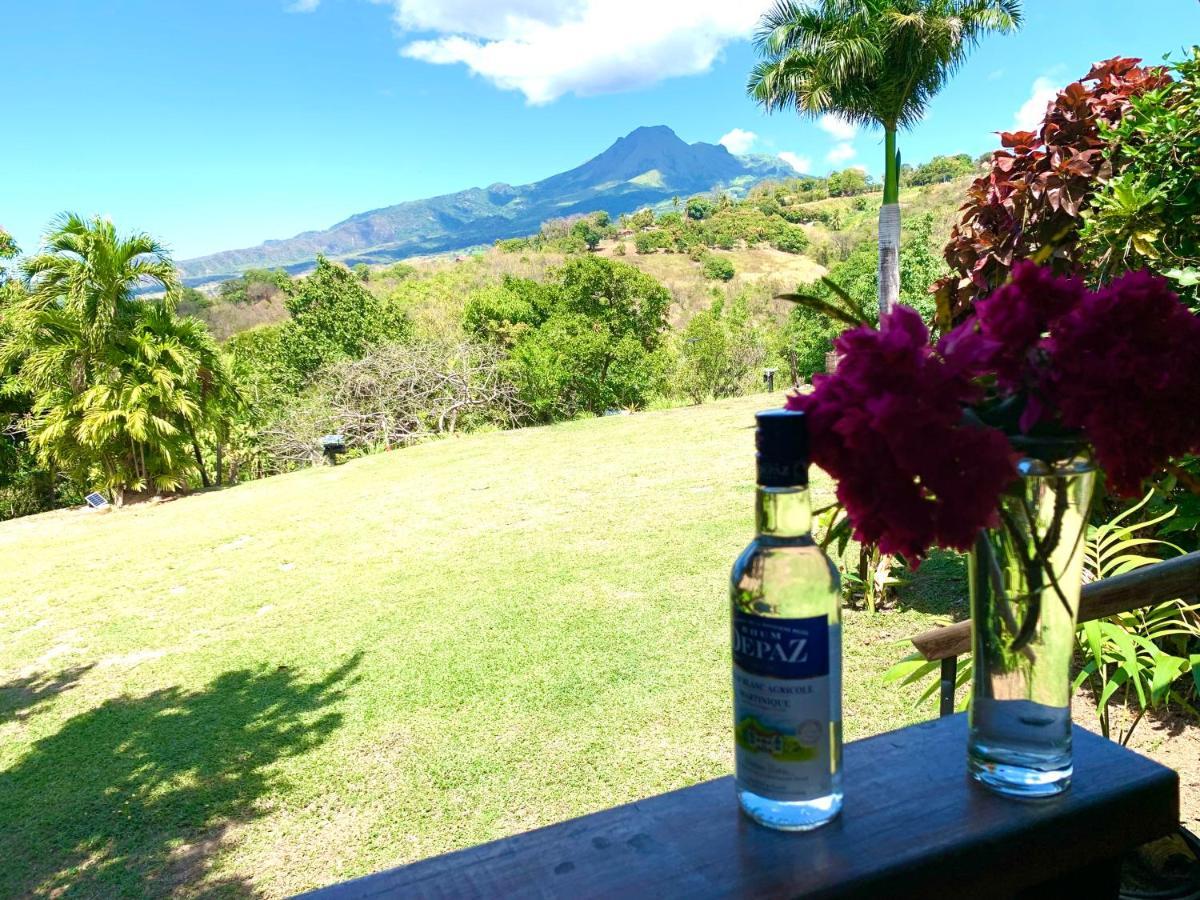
(396, 395)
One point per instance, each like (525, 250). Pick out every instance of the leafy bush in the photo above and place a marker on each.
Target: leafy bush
(718, 268)
(719, 353)
(942, 168)
(649, 241)
(1147, 656)
(586, 341)
(700, 208)
(1147, 216)
(1033, 197)
(789, 239)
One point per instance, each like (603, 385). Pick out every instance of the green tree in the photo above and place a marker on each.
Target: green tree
(587, 340)
(719, 352)
(700, 208)
(943, 168)
(874, 63)
(334, 317)
(848, 183)
(643, 218)
(586, 231)
(121, 389)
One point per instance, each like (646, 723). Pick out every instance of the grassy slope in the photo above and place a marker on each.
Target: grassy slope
(307, 678)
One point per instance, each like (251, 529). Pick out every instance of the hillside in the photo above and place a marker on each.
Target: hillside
(313, 676)
(645, 167)
(761, 270)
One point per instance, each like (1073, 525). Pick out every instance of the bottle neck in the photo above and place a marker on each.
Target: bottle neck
(782, 513)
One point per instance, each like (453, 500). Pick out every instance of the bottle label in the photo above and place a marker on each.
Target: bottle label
(785, 674)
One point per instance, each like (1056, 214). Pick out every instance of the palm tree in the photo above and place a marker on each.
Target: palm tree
(121, 387)
(873, 63)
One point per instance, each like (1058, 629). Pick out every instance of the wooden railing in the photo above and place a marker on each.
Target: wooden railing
(1158, 583)
(914, 826)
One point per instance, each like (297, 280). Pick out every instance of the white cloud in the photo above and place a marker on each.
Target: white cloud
(837, 127)
(841, 153)
(548, 48)
(738, 140)
(304, 6)
(995, 74)
(1029, 117)
(801, 164)
(860, 168)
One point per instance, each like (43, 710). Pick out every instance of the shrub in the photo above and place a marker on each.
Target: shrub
(619, 249)
(789, 239)
(1147, 217)
(718, 268)
(649, 241)
(362, 272)
(587, 340)
(942, 168)
(719, 353)
(700, 208)
(1033, 196)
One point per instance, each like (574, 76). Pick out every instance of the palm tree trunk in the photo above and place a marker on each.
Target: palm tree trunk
(204, 482)
(889, 227)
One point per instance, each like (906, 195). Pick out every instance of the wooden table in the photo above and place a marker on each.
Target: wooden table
(913, 825)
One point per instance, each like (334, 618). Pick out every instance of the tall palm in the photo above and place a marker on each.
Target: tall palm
(120, 385)
(873, 63)
(89, 269)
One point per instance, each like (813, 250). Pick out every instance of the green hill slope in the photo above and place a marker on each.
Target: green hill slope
(310, 677)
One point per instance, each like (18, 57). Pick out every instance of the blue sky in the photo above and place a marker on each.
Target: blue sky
(220, 124)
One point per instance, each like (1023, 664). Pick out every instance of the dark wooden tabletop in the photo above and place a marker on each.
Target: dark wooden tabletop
(913, 825)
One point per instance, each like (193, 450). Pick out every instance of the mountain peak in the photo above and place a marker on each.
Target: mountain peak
(645, 131)
(647, 166)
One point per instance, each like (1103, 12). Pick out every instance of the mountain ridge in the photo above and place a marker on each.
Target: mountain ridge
(647, 166)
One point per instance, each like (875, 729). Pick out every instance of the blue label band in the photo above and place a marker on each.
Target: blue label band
(781, 648)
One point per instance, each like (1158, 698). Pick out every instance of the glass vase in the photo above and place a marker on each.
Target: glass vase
(1025, 576)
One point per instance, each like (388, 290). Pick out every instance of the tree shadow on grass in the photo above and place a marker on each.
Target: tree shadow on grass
(133, 798)
(21, 697)
(939, 586)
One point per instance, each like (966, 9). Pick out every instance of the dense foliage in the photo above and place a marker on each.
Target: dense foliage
(1145, 216)
(587, 340)
(720, 352)
(937, 170)
(1032, 199)
(121, 392)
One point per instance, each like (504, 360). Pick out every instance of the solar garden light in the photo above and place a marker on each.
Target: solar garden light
(769, 378)
(331, 446)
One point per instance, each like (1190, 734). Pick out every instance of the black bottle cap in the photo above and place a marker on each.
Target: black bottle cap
(782, 441)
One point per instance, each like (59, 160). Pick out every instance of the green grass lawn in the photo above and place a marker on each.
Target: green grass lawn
(308, 678)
